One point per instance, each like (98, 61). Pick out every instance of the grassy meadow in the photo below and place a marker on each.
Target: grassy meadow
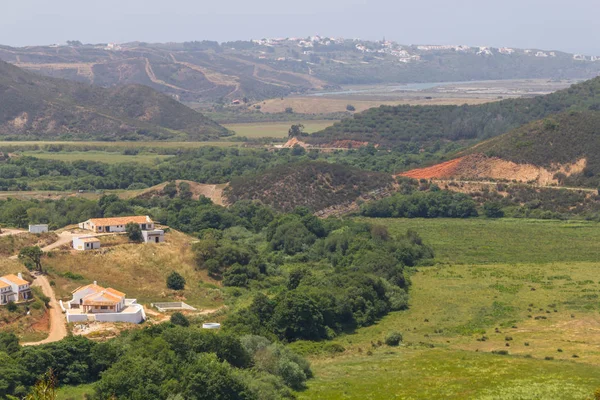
(138, 270)
(337, 104)
(510, 311)
(275, 129)
(100, 156)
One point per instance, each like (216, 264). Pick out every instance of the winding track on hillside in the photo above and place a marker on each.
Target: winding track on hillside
(58, 327)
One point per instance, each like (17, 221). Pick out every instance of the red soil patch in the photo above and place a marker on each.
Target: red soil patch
(43, 325)
(444, 170)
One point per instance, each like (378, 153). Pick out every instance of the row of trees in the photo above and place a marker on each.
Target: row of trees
(158, 362)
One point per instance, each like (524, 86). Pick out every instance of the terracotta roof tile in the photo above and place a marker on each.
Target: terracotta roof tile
(15, 279)
(139, 219)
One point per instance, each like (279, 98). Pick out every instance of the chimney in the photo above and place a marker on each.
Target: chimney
(95, 282)
(20, 275)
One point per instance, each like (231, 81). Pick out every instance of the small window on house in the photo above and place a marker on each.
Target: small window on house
(104, 307)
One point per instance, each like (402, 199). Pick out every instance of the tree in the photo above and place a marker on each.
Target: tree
(296, 130)
(175, 281)
(134, 232)
(296, 316)
(179, 319)
(9, 343)
(31, 256)
(350, 107)
(45, 388)
(493, 209)
(289, 110)
(170, 189)
(185, 192)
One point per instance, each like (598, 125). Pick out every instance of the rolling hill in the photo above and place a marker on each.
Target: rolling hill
(206, 72)
(316, 185)
(562, 149)
(43, 108)
(394, 126)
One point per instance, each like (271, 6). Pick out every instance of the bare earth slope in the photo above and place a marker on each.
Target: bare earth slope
(558, 150)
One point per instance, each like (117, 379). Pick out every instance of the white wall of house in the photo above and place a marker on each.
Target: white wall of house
(79, 295)
(20, 292)
(6, 295)
(80, 244)
(39, 228)
(134, 317)
(155, 236)
(76, 317)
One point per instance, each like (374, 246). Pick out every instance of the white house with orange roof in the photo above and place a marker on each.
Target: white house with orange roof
(14, 288)
(86, 243)
(97, 303)
(116, 224)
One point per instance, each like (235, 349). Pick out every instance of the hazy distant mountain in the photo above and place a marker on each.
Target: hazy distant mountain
(38, 107)
(209, 71)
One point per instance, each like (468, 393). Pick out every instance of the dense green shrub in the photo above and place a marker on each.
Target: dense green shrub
(393, 339)
(175, 281)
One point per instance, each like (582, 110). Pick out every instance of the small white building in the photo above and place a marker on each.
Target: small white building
(96, 303)
(14, 288)
(117, 224)
(155, 236)
(38, 228)
(86, 243)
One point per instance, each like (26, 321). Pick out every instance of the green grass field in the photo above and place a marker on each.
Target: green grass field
(506, 240)
(101, 156)
(275, 129)
(527, 287)
(74, 392)
(118, 145)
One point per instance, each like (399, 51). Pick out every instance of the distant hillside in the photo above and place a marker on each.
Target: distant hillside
(213, 192)
(391, 126)
(38, 107)
(198, 72)
(562, 149)
(316, 185)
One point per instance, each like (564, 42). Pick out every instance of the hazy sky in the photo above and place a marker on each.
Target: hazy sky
(547, 24)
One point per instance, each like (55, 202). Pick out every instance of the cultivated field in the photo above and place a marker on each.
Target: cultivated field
(101, 156)
(528, 288)
(118, 146)
(325, 105)
(275, 129)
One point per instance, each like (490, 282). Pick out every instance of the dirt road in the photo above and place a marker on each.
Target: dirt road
(7, 232)
(58, 328)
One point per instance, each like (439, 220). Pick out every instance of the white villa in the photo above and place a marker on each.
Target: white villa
(96, 303)
(155, 236)
(117, 224)
(96, 299)
(86, 243)
(14, 288)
